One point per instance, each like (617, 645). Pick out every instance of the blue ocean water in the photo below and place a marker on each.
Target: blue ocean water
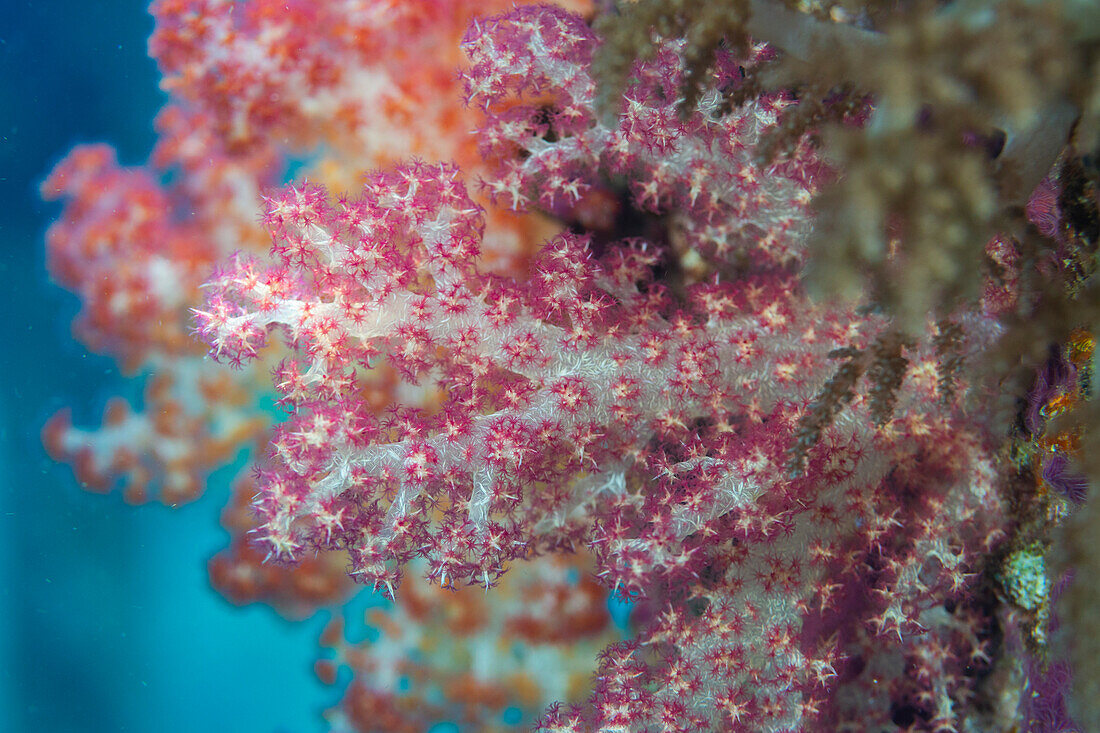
(107, 622)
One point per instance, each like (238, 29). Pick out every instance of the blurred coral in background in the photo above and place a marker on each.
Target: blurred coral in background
(774, 321)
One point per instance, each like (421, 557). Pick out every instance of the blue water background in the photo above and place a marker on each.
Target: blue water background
(107, 621)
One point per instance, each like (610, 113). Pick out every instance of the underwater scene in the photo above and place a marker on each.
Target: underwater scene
(596, 366)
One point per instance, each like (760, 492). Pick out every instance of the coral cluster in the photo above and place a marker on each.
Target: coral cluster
(601, 371)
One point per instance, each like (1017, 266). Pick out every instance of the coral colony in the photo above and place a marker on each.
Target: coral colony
(771, 320)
